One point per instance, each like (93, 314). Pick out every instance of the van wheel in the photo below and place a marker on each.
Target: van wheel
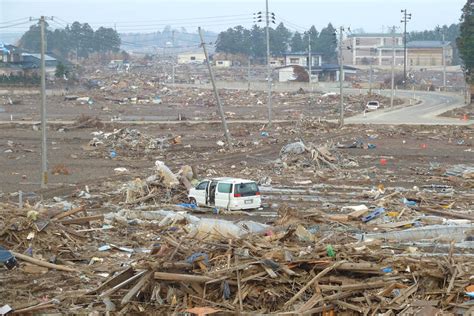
(192, 201)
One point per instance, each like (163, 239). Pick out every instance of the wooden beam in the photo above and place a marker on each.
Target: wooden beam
(68, 213)
(181, 277)
(134, 290)
(82, 220)
(316, 278)
(42, 263)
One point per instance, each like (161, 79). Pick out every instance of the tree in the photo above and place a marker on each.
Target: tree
(61, 70)
(465, 40)
(31, 39)
(327, 44)
(279, 39)
(297, 44)
(105, 40)
(78, 39)
(258, 48)
(313, 38)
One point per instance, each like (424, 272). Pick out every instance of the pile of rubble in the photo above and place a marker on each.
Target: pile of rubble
(130, 141)
(175, 261)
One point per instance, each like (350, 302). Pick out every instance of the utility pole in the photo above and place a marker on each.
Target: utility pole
(309, 58)
(44, 150)
(393, 67)
(269, 70)
(406, 17)
(173, 73)
(216, 94)
(444, 65)
(341, 76)
(248, 76)
(370, 77)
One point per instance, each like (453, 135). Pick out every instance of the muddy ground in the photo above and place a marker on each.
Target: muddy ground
(415, 156)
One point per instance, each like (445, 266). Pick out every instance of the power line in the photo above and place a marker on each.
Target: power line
(16, 24)
(16, 20)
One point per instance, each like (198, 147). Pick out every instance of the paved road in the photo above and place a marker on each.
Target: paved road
(426, 113)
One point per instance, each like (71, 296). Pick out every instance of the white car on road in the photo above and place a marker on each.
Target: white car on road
(372, 105)
(226, 193)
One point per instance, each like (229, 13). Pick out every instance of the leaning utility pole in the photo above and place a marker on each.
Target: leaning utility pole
(269, 70)
(406, 17)
(341, 76)
(216, 94)
(393, 67)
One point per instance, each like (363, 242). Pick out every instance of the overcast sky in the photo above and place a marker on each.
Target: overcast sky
(152, 15)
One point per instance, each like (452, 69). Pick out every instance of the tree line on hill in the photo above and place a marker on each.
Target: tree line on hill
(78, 40)
(252, 42)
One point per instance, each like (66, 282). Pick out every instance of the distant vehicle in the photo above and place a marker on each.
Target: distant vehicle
(227, 193)
(372, 105)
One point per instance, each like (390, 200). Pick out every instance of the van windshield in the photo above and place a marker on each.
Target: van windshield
(246, 189)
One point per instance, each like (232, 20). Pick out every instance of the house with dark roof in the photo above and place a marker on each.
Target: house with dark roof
(429, 53)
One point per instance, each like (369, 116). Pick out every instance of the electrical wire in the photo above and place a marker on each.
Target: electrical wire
(16, 20)
(13, 25)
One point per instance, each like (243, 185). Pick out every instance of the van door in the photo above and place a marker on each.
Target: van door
(201, 192)
(211, 194)
(223, 192)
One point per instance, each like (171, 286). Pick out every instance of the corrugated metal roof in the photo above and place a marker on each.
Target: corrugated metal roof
(38, 56)
(375, 35)
(428, 44)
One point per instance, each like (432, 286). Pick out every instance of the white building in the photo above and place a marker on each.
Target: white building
(301, 59)
(191, 58)
(373, 49)
(223, 63)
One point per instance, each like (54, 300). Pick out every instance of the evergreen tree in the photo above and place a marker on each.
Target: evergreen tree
(327, 44)
(279, 39)
(297, 44)
(466, 40)
(313, 38)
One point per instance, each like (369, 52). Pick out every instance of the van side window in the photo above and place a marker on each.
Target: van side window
(224, 188)
(202, 185)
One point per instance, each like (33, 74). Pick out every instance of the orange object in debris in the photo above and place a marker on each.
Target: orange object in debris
(470, 288)
(464, 117)
(329, 313)
(424, 146)
(383, 161)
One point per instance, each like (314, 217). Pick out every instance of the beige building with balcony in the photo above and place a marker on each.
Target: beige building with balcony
(373, 48)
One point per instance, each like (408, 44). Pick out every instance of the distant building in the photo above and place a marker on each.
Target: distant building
(277, 61)
(429, 53)
(331, 72)
(191, 58)
(49, 61)
(301, 59)
(223, 63)
(373, 48)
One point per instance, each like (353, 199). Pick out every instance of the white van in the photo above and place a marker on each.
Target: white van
(227, 193)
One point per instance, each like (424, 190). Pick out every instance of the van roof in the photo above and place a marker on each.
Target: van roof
(230, 180)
